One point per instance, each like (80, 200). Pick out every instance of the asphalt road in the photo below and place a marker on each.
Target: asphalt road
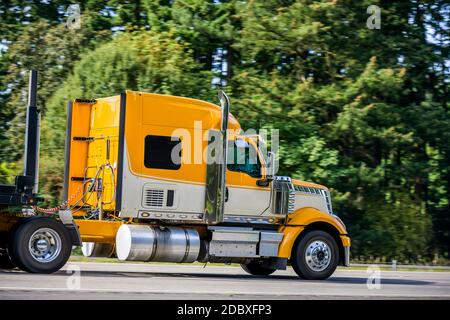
(81, 280)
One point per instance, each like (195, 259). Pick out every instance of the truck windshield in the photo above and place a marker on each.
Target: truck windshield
(243, 157)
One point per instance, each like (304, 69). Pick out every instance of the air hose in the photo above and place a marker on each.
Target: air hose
(64, 205)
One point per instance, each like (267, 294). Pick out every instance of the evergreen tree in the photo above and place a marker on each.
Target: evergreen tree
(363, 111)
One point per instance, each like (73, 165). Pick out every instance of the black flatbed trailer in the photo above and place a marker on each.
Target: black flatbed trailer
(30, 242)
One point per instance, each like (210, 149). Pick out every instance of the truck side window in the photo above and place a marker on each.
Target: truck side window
(244, 158)
(160, 153)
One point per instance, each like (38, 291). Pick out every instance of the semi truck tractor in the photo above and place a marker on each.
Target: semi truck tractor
(159, 178)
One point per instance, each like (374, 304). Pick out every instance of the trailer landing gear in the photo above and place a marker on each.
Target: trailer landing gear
(40, 245)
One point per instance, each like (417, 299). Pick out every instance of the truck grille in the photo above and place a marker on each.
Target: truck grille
(291, 205)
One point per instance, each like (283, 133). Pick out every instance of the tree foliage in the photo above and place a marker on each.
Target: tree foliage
(363, 111)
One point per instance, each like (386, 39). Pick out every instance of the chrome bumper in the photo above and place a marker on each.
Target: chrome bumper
(347, 256)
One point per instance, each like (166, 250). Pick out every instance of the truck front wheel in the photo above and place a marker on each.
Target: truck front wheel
(40, 245)
(257, 269)
(315, 255)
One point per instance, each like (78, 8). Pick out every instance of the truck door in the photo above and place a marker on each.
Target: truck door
(244, 198)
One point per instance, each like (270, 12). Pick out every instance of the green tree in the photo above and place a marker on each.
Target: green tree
(348, 103)
(52, 50)
(363, 111)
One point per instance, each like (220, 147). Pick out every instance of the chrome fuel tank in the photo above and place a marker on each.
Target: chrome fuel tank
(163, 244)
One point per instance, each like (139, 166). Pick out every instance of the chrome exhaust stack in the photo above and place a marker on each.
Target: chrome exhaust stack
(217, 166)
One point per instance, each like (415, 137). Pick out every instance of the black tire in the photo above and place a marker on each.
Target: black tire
(303, 264)
(19, 245)
(256, 269)
(5, 260)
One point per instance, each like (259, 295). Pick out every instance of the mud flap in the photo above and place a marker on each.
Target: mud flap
(67, 219)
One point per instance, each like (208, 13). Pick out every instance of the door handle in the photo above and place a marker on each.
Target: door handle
(226, 194)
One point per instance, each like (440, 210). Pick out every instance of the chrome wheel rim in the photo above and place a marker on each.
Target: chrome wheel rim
(44, 245)
(317, 255)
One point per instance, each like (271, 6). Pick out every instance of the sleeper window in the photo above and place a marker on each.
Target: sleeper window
(162, 152)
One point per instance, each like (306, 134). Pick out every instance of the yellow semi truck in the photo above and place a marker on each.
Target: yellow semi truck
(152, 177)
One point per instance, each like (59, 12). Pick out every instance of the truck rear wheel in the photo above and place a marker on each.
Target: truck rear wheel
(40, 245)
(256, 269)
(315, 256)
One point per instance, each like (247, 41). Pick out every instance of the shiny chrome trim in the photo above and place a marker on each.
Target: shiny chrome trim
(44, 245)
(269, 243)
(159, 215)
(318, 255)
(216, 168)
(234, 242)
(282, 196)
(163, 244)
(308, 190)
(347, 256)
(253, 219)
(327, 196)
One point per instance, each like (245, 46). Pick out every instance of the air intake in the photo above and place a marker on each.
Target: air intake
(283, 196)
(154, 198)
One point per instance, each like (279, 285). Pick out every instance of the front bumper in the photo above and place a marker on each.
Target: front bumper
(347, 256)
(346, 245)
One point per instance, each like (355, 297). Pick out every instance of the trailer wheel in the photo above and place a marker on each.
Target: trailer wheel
(315, 256)
(256, 269)
(5, 260)
(40, 245)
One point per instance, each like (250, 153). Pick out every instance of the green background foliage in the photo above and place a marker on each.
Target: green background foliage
(362, 111)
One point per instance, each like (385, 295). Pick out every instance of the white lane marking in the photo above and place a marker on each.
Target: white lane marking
(106, 290)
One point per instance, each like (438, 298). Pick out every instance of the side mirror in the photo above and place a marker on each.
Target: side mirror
(270, 171)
